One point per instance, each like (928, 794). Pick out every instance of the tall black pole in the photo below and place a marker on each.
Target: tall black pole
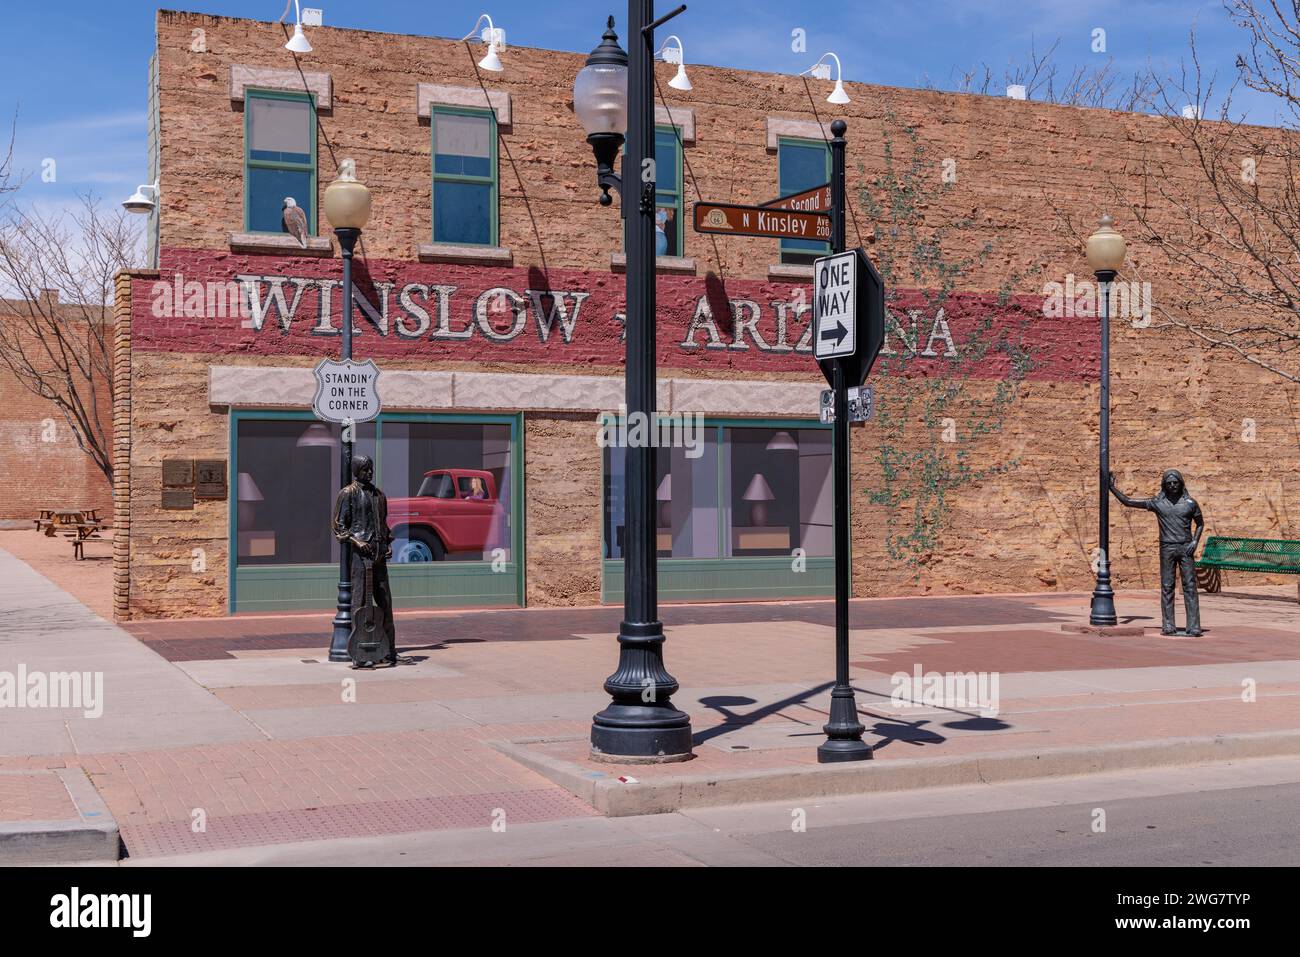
(343, 617)
(1103, 596)
(844, 730)
(640, 723)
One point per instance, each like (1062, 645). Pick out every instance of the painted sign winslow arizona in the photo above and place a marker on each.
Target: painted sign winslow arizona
(224, 304)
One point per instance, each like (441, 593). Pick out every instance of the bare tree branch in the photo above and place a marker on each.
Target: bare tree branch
(56, 333)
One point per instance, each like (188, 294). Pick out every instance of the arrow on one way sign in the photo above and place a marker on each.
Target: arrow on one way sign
(838, 333)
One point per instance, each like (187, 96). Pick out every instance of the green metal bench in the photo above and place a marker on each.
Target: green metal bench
(1277, 556)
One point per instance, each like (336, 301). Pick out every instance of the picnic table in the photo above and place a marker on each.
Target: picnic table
(78, 524)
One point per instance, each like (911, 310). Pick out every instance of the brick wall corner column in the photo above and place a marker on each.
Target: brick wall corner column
(122, 441)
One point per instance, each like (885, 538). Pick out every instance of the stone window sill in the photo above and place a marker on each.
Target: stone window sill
(792, 272)
(473, 255)
(280, 243)
(682, 265)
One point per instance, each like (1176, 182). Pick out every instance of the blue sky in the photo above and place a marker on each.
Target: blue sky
(89, 116)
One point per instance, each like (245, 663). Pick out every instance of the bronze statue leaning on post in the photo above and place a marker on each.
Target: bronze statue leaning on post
(361, 519)
(1176, 511)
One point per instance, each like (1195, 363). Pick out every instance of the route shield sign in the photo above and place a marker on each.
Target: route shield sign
(347, 390)
(848, 314)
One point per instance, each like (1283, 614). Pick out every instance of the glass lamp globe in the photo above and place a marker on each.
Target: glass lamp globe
(600, 88)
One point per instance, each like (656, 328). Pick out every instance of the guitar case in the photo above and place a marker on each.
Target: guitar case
(369, 644)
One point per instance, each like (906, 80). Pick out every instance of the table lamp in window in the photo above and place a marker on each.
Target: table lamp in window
(758, 494)
(664, 496)
(249, 496)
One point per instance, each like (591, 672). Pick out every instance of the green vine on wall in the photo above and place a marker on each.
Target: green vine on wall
(930, 424)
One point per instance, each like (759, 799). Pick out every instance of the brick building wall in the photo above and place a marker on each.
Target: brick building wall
(1021, 167)
(41, 464)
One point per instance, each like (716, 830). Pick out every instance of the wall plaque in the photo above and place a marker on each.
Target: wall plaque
(210, 479)
(178, 498)
(177, 473)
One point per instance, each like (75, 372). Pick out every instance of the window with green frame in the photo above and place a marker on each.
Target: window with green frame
(453, 482)
(801, 165)
(464, 176)
(279, 158)
(668, 192)
(737, 501)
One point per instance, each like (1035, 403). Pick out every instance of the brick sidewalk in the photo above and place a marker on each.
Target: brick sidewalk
(307, 749)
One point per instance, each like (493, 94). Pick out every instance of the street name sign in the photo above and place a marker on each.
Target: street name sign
(815, 200)
(765, 221)
(347, 390)
(848, 314)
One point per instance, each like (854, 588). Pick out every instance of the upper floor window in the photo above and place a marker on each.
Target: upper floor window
(279, 158)
(803, 165)
(464, 176)
(668, 192)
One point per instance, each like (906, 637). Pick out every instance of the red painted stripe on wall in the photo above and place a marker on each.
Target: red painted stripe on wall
(215, 302)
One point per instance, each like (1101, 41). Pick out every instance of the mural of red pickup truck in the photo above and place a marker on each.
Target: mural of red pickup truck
(455, 512)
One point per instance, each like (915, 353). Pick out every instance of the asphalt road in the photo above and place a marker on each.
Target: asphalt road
(1243, 813)
(1239, 827)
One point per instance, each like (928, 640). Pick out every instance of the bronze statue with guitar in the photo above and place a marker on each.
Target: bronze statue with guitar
(361, 520)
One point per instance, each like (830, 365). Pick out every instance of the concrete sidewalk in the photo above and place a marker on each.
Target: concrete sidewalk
(234, 733)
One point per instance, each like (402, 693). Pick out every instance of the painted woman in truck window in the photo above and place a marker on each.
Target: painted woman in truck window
(476, 489)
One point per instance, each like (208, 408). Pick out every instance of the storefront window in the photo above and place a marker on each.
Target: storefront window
(450, 484)
(750, 492)
(288, 476)
(448, 487)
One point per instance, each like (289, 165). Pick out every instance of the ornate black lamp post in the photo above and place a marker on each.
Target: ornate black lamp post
(347, 207)
(1105, 255)
(613, 92)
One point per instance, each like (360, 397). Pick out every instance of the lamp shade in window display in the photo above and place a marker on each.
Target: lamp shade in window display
(782, 442)
(317, 435)
(664, 496)
(758, 493)
(249, 495)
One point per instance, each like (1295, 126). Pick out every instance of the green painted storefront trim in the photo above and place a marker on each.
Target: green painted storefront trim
(315, 587)
(709, 579)
(467, 584)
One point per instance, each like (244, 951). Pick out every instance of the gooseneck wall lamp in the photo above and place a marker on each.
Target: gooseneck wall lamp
(822, 71)
(675, 55)
(298, 42)
(495, 38)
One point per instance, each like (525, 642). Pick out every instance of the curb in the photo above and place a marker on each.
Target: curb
(613, 798)
(92, 836)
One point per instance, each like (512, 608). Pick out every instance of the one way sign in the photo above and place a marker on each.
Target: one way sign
(834, 305)
(848, 314)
